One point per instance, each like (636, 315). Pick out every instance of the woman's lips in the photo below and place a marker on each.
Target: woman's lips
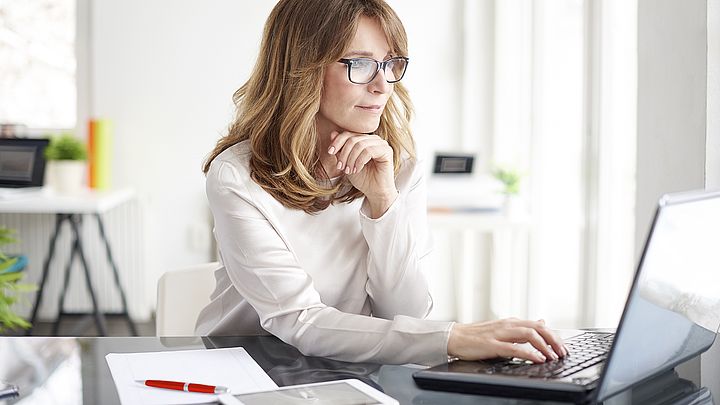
(371, 108)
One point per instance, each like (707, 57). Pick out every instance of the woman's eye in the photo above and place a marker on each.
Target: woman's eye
(363, 64)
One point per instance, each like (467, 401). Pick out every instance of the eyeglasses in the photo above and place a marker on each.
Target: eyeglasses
(364, 70)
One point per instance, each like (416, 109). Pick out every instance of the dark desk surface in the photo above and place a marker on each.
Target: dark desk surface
(74, 371)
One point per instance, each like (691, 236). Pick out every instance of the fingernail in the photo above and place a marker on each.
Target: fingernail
(543, 358)
(339, 166)
(347, 170)
(331, 150)
(555, 356)
(355, 170)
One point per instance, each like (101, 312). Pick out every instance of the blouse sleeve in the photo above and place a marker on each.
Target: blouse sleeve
(266, 273)
(399, 244)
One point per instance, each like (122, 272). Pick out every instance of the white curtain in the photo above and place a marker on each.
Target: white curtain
(546, 87)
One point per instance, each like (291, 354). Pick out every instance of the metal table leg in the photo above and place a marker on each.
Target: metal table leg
(75, 221)
(66, 284)
(116, 275)
(59, 218)
(99, 318)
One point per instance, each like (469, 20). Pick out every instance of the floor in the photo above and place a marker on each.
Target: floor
(84, 326)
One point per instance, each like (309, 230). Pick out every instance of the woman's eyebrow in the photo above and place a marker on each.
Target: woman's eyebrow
(359, 53)
(365, 53)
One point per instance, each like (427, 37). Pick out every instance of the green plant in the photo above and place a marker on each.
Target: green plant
(65, 147)
(509, 178)
(10, 288)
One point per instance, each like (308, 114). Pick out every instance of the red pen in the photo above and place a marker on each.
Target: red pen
(183, 386)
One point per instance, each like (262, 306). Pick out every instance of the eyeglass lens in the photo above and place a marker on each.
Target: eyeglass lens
(364, 70)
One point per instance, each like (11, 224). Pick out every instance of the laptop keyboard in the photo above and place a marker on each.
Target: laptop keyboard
(585, 350)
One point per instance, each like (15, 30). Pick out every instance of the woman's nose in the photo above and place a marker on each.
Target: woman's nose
(379, 84)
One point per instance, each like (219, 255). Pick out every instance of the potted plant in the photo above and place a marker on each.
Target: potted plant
(510, 180)
(66, 157)
(9, 285)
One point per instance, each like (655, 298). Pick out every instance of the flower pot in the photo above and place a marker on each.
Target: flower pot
(513, 206)
(66, 176)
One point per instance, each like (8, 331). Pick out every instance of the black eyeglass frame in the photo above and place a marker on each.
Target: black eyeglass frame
(380, 65)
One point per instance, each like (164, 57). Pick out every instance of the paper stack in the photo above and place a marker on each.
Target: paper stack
(233, 368)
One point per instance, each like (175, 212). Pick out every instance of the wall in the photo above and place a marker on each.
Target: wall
(434, 77)
(712, 177)
(711, 359)
(164, 72)
(671, 103)
(672, 95)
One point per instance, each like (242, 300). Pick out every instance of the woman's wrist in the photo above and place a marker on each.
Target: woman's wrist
(381, 203)
(453, 340)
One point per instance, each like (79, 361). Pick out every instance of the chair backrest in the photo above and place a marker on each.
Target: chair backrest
(181, 295)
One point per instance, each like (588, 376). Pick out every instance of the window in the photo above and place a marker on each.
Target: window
(37, 73)
(547, 87)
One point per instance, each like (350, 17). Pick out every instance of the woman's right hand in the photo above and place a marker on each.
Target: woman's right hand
(504, 338)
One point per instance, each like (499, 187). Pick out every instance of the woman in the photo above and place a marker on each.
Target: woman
(319, 204)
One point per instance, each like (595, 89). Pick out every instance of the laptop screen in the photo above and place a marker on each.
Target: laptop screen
(673, 311)
(22, 162)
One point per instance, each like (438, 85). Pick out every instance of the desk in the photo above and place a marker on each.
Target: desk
(73, 370)
(72, 209)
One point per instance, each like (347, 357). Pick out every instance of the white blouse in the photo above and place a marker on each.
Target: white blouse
(335, 284)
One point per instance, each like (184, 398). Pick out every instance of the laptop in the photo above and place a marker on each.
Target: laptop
(671, 315)
(22, 162)
(22, 166)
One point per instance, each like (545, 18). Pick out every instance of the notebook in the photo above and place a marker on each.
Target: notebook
(22, 162)
(232, 368)
(672, 314)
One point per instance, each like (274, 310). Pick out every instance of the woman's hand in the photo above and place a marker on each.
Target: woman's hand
(367, 160)
(486, 340)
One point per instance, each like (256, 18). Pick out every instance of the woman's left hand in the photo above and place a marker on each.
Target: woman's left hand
(367, 160)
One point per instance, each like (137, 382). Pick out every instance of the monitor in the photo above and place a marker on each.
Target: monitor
(22, 162)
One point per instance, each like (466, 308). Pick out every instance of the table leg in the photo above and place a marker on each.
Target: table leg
(99, 318)
(59, 218)
(116, 275)
(66, 283)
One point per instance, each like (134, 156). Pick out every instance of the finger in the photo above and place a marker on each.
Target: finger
(552, 338)
(338, 141)
(331, 148)
(343, 144)
(363, 152)
(547, 334)
(523, 334)
(506, 349)
(555, 341)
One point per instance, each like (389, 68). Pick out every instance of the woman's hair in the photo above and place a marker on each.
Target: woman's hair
(276, 107)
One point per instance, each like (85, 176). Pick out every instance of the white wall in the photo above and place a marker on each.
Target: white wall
(164, 72)
(434, 77)
(713, 95)
(671, 103)
(711, 360)
(672, 109)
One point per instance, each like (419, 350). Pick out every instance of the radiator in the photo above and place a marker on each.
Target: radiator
(123, 227)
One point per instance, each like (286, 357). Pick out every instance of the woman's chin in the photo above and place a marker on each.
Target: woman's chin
(364, 128)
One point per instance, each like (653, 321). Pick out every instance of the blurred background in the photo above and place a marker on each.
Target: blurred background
(595, 107)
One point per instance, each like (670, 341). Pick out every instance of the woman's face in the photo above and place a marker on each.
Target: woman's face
(355, 107)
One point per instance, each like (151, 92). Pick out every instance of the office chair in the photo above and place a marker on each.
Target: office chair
(181, 295)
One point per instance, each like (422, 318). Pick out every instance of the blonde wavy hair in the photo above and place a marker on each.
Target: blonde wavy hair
(276, 107)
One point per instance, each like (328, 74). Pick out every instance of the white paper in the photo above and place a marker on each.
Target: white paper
(233, 368)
